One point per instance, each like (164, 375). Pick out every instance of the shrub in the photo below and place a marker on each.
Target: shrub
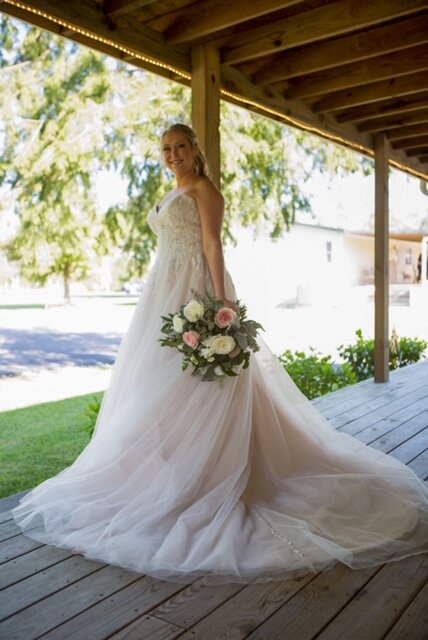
(316, 374)
(91, 414)
(360, 356)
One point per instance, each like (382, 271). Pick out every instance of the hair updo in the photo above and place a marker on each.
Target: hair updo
(199, 163)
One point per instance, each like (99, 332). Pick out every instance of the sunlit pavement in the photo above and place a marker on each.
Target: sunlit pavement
(89, 332)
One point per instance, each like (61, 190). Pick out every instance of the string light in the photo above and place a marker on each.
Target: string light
(228, 94)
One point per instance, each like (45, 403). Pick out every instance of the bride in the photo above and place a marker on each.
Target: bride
(238, 482)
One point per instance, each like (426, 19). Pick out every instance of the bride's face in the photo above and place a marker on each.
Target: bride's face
(178, 154)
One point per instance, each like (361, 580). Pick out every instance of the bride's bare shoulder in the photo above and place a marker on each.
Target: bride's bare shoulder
(205, 190)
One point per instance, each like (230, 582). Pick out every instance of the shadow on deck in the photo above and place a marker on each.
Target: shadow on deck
(49, 593)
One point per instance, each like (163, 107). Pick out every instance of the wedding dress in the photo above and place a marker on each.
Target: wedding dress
(241, 481)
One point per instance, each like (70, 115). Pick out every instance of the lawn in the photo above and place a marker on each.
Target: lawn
(37, 442)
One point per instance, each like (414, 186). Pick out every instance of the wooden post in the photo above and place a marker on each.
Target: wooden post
(206, 104)
(381, 260)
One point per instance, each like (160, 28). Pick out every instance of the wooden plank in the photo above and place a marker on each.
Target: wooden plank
(56, 609)
(377, 417)
(410, 143)
(397, 436)
(419, 151)
(116, 8)
(419, 465)
(381, 259)
(195, 602)
(307, 613)
(385, 108)
(363, 406)
(17, 546)
(31, 563)
(359, 46)
(410, 131)
(206, 105)
(373, 92)
(5, 516)
(390, 122)
(413, 623)
(384, 419)
(413, 448)
(90, 17)
(121, 609)
(8, 530)
(245, 611)
(315, 24)
(148, 627)
(52, 579)
(205, 18)
(391, 590)
(390, 65)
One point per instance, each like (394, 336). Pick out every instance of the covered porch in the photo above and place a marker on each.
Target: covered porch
(47, 592)
(354, 73)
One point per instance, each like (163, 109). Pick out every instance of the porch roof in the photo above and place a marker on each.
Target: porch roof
(342, 69)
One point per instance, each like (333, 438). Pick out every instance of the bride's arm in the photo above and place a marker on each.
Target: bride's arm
(211, 212)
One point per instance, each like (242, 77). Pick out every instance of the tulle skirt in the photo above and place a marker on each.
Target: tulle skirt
(238, 482)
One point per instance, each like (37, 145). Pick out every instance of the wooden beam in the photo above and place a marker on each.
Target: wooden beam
(410, 143)
(418, 151)
(399, 105)
(391, 65)
(381, 260)
(91, 19)
(360, 46)
(116, 8)
(206, 104)
(204, 18)
(391, 122)
(373, 92)
(411, 131)
(324, 22)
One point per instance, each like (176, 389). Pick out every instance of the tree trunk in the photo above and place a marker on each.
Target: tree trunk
(66, 280)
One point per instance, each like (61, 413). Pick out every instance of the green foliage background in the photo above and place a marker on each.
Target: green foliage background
(69, 114)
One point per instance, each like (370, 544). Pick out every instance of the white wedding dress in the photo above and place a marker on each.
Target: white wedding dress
(238, 482)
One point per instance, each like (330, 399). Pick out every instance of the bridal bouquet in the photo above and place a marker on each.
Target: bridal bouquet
(213, 338)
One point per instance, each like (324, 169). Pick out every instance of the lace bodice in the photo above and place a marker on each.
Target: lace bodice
(177, 225)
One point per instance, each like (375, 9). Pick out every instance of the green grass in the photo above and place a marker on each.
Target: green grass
(13, 307)
(37, 442)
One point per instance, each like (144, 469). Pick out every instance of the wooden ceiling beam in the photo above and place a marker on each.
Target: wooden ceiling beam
(324, 55)
(373, 92)
(410, 131)
(410, 143)
(116, 8)
(90, 18)
(207, 17)
(419, 151)
(391, 122)
(309, 26)
(391, 65)
(385, 108)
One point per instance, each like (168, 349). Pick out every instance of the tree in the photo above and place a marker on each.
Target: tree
(70, 113)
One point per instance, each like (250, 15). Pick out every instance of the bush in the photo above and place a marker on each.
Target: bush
(360, 356)
(316, 374)
(91, 414)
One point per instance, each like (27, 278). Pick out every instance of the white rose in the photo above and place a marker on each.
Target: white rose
(236, 369)
(219, 371)
(193, 310)
(222, 344)
(178, 324)
(206, 352)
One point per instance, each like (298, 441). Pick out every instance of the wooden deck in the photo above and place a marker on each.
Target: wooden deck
(49, 593)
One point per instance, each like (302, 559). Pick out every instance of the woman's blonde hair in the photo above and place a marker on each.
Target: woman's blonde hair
(199, 163)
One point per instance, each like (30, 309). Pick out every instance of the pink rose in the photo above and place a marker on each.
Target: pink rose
(191, 338)
(224, 317)
(234, 353)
